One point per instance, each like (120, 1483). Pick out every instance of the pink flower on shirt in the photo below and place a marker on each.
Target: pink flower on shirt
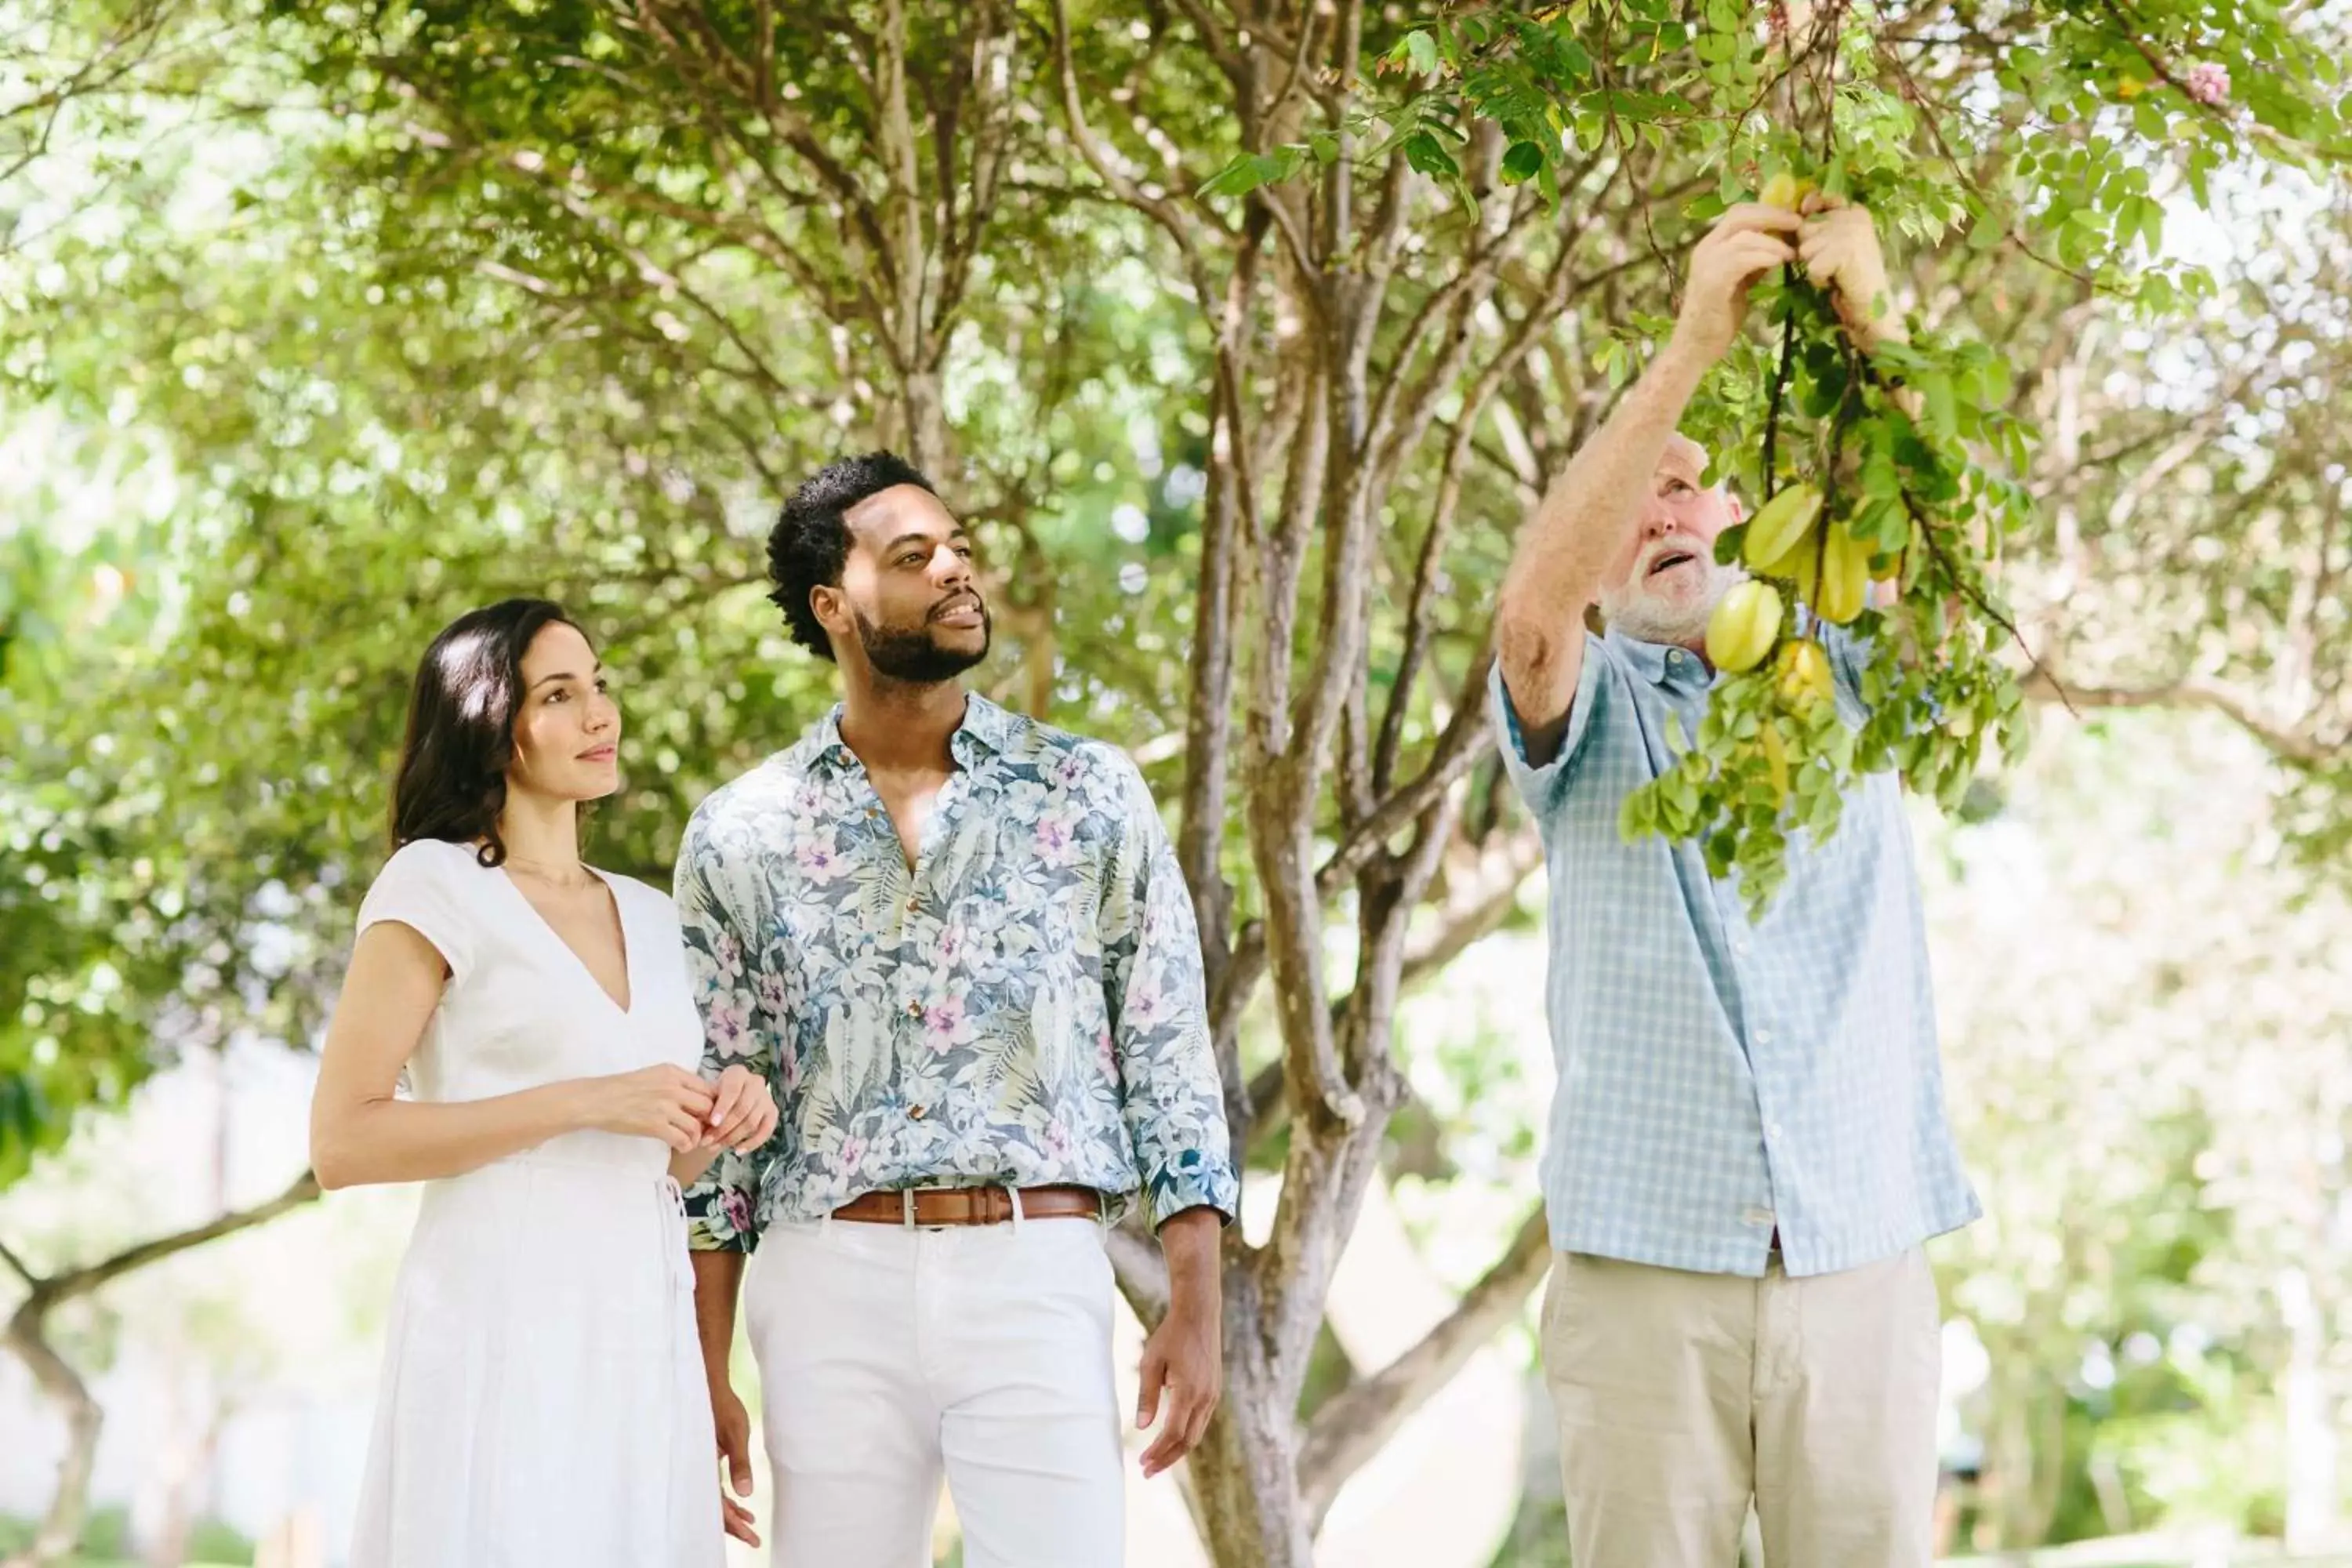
(1057, 836)
(736, 1204)
(1145, 1005)
(820, 860)
(727, 1023)
(773, 992)
(946, 1025)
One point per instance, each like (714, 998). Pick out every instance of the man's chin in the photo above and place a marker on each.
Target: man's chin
(927, 658)
(1671, 618)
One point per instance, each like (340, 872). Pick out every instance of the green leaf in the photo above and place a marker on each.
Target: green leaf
(1638, 817)
(1423, 151)
(1421, 51)
(1943, 408)
(1246, 174)
(1522, 163)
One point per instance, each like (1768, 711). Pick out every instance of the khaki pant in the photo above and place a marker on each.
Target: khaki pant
(1682, 1397)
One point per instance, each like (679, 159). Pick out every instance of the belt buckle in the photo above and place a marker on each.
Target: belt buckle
(906, 1208)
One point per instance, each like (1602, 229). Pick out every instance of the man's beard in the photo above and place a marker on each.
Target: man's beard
(1672, 621)
(914, 656)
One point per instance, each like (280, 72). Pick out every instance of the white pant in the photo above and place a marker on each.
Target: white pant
(1683, 1397)
(889, 1355)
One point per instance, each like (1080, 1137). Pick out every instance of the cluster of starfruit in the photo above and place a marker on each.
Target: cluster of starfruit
(1828, 567)
(1899, 504)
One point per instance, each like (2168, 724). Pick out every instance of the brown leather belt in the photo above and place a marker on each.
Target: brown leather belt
(927, 1207)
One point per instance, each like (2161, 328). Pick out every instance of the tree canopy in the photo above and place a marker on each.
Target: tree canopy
(1244, 333)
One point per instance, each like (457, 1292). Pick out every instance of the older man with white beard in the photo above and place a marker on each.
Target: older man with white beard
(1748, 1144)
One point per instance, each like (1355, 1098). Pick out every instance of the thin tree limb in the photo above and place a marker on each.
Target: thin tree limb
(1356, 1423)
(2286, 744)
(82, 1282)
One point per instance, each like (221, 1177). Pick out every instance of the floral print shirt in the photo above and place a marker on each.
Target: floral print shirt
(1024, 1008)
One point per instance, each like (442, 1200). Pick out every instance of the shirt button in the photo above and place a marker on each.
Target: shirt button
(914, 1113)
(1772, 1130)
(1763, 1036)
(1739, 945)
(914, 1009)
(1758, 1216)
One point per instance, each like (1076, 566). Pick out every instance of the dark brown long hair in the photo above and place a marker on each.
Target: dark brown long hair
(452, 782)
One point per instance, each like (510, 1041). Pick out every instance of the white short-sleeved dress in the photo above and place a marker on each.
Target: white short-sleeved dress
(542, 1401)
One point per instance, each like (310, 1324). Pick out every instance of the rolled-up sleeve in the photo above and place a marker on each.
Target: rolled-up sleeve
(1152, 984)
(1540, 784)
(722, 1206)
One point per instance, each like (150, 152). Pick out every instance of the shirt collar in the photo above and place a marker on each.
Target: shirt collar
(1659, 663)
(1646, 658)
(986, 731)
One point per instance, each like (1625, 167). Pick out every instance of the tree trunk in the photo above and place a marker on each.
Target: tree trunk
(1244, 1482)
(26, 1336)
(185, 1470)
(68, 1510)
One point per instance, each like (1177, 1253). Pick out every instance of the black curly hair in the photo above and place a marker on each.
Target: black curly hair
(811, 539)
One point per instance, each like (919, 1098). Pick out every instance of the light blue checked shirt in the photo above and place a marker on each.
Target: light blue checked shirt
(1720, 1078)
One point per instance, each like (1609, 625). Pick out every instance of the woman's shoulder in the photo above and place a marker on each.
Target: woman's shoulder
(425, 886)
(434, 862)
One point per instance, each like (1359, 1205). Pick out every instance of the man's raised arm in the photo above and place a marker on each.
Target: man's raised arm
(1584, 522)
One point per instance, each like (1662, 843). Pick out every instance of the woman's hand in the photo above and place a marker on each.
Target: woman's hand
(664, 1103)
(742, 1114)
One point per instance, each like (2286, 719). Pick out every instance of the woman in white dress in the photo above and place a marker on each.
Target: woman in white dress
(543, 1401)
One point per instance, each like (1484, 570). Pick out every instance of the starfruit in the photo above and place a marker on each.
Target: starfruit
(1845, 576)
(1800, 566)
(1780, 526)
(1804, 672)
(1785, 191)
(1742, 629)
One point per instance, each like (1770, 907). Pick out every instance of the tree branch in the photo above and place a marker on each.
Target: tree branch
(1356, 1423)
(1109, 169)
(1467, 739)
(82, 1282)
(1474, 913)
(2286, 744)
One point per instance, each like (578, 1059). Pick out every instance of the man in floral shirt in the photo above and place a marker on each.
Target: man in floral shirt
(957, 943)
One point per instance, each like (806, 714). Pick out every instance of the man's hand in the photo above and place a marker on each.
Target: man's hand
(1840, 250)
(1184, 1359)
(1745, 243)
(734, 1427)
(1184, 1369)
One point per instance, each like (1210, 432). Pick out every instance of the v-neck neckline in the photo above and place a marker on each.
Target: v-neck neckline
(620, 920)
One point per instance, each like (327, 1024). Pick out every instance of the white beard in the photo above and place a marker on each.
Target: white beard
(1675, 620)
